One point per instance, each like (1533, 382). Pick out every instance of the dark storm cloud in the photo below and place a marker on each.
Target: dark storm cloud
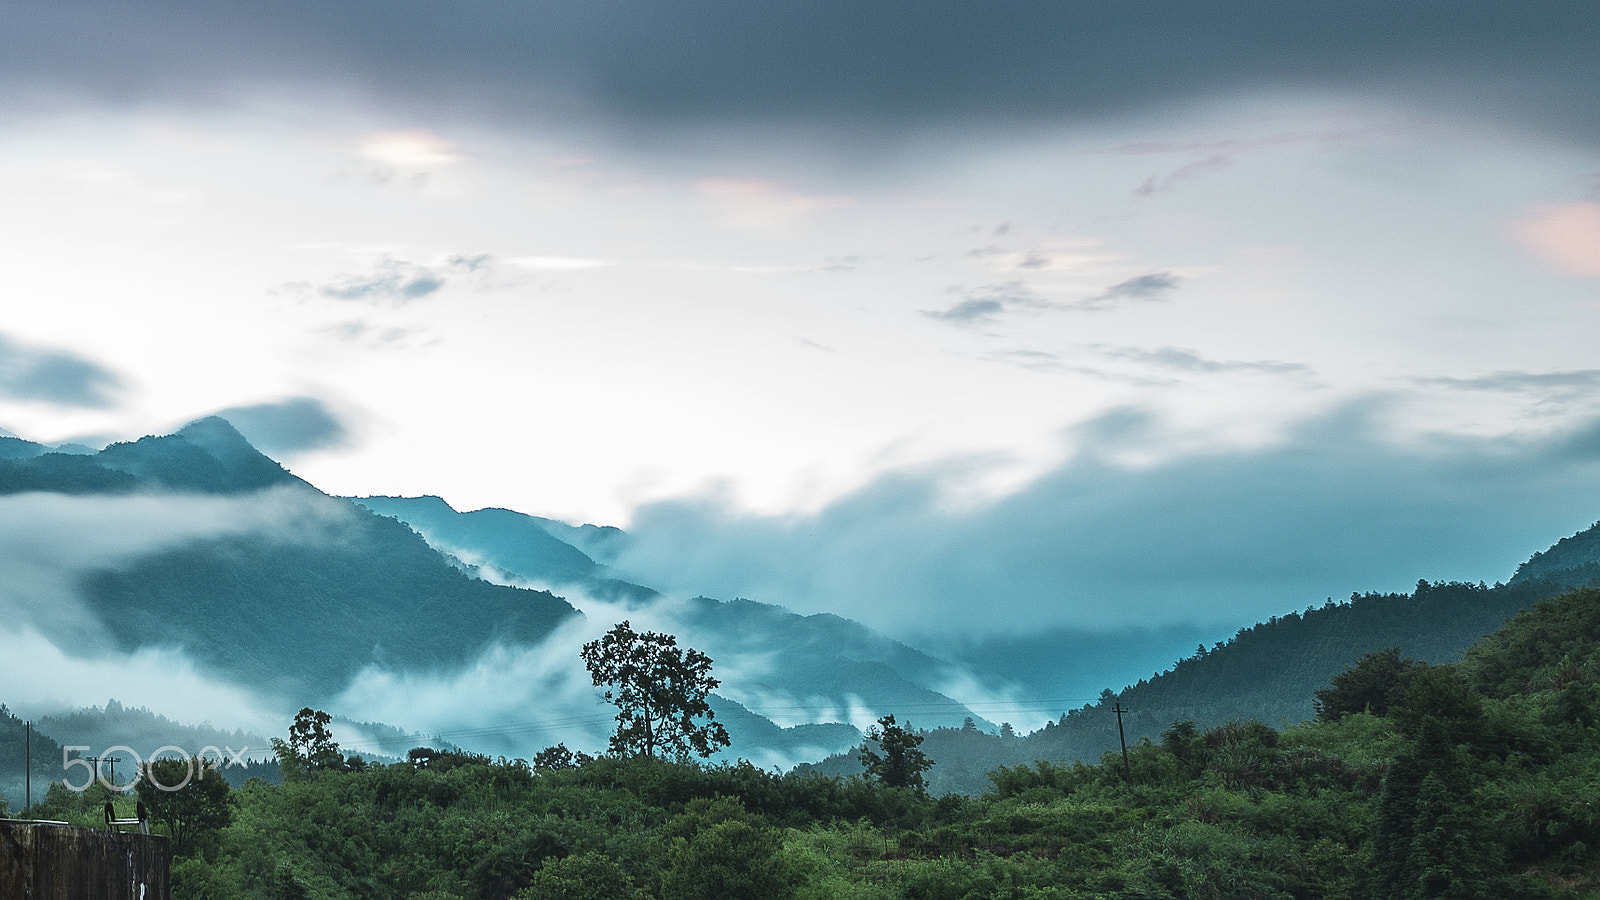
(29, 372)
(1221, 537)
(287, 427)
(878, 64)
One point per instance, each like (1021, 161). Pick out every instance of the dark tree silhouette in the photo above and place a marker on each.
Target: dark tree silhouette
(897, 762)
(659, 689)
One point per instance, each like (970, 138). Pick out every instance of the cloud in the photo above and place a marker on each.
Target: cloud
(376, 336)
(48, 540)
(1228, 536)
(1150, 288)
(40, 374)
(162, 679)
(397, 282)
(872, 66)
(1181, 359)
(1155, 184)
(512, 700)
(290, 426)
(986, 304)
(1566, 236)
(1578, 381)
(58, 652)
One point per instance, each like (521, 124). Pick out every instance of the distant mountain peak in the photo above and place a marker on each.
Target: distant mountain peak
(207, 455)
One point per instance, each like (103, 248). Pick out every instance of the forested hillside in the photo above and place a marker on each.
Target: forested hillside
(1267, 672)
(1574, 561)
(1475, 779)
(302, 618)
(294, 613)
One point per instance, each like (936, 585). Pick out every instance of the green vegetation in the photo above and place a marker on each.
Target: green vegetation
(1477, 779)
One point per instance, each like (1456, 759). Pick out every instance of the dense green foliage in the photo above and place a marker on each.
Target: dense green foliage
(1480, 780)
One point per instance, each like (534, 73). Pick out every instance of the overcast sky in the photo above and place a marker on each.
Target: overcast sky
(1102, 313)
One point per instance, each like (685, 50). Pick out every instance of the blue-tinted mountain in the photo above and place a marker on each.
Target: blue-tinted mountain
(296, 617)
(528, 547)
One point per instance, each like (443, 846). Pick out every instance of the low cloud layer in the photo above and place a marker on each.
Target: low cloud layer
(60, 654)
(1226, 537)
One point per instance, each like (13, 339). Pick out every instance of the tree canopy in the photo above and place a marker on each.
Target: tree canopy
(310, 747)
(659, 689)
(191, 798)
(897, 762)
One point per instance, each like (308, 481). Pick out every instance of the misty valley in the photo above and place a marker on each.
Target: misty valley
(385, 697)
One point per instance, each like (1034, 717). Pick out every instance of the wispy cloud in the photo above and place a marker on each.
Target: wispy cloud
(984, 305)
(1181, 359)
(42, 374)
(1151, 288)
(1158, 183)
(1578, 380)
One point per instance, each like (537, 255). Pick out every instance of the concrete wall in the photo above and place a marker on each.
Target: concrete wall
(59, 862)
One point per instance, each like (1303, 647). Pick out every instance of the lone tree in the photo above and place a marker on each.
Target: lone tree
(659, 689)
(897, 762)
(310, 747)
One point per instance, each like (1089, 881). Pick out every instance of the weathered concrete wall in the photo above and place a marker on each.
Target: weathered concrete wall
(59, 862)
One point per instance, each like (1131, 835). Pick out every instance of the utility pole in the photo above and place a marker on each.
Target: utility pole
(1127, 772)
(27, 760)
(97, 760)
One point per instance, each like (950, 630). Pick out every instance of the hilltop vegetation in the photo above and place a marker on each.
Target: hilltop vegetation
(1479, 779)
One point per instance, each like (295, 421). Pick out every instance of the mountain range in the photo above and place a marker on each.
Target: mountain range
(465, 624)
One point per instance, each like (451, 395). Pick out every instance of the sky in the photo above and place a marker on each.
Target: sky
(949, 317)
